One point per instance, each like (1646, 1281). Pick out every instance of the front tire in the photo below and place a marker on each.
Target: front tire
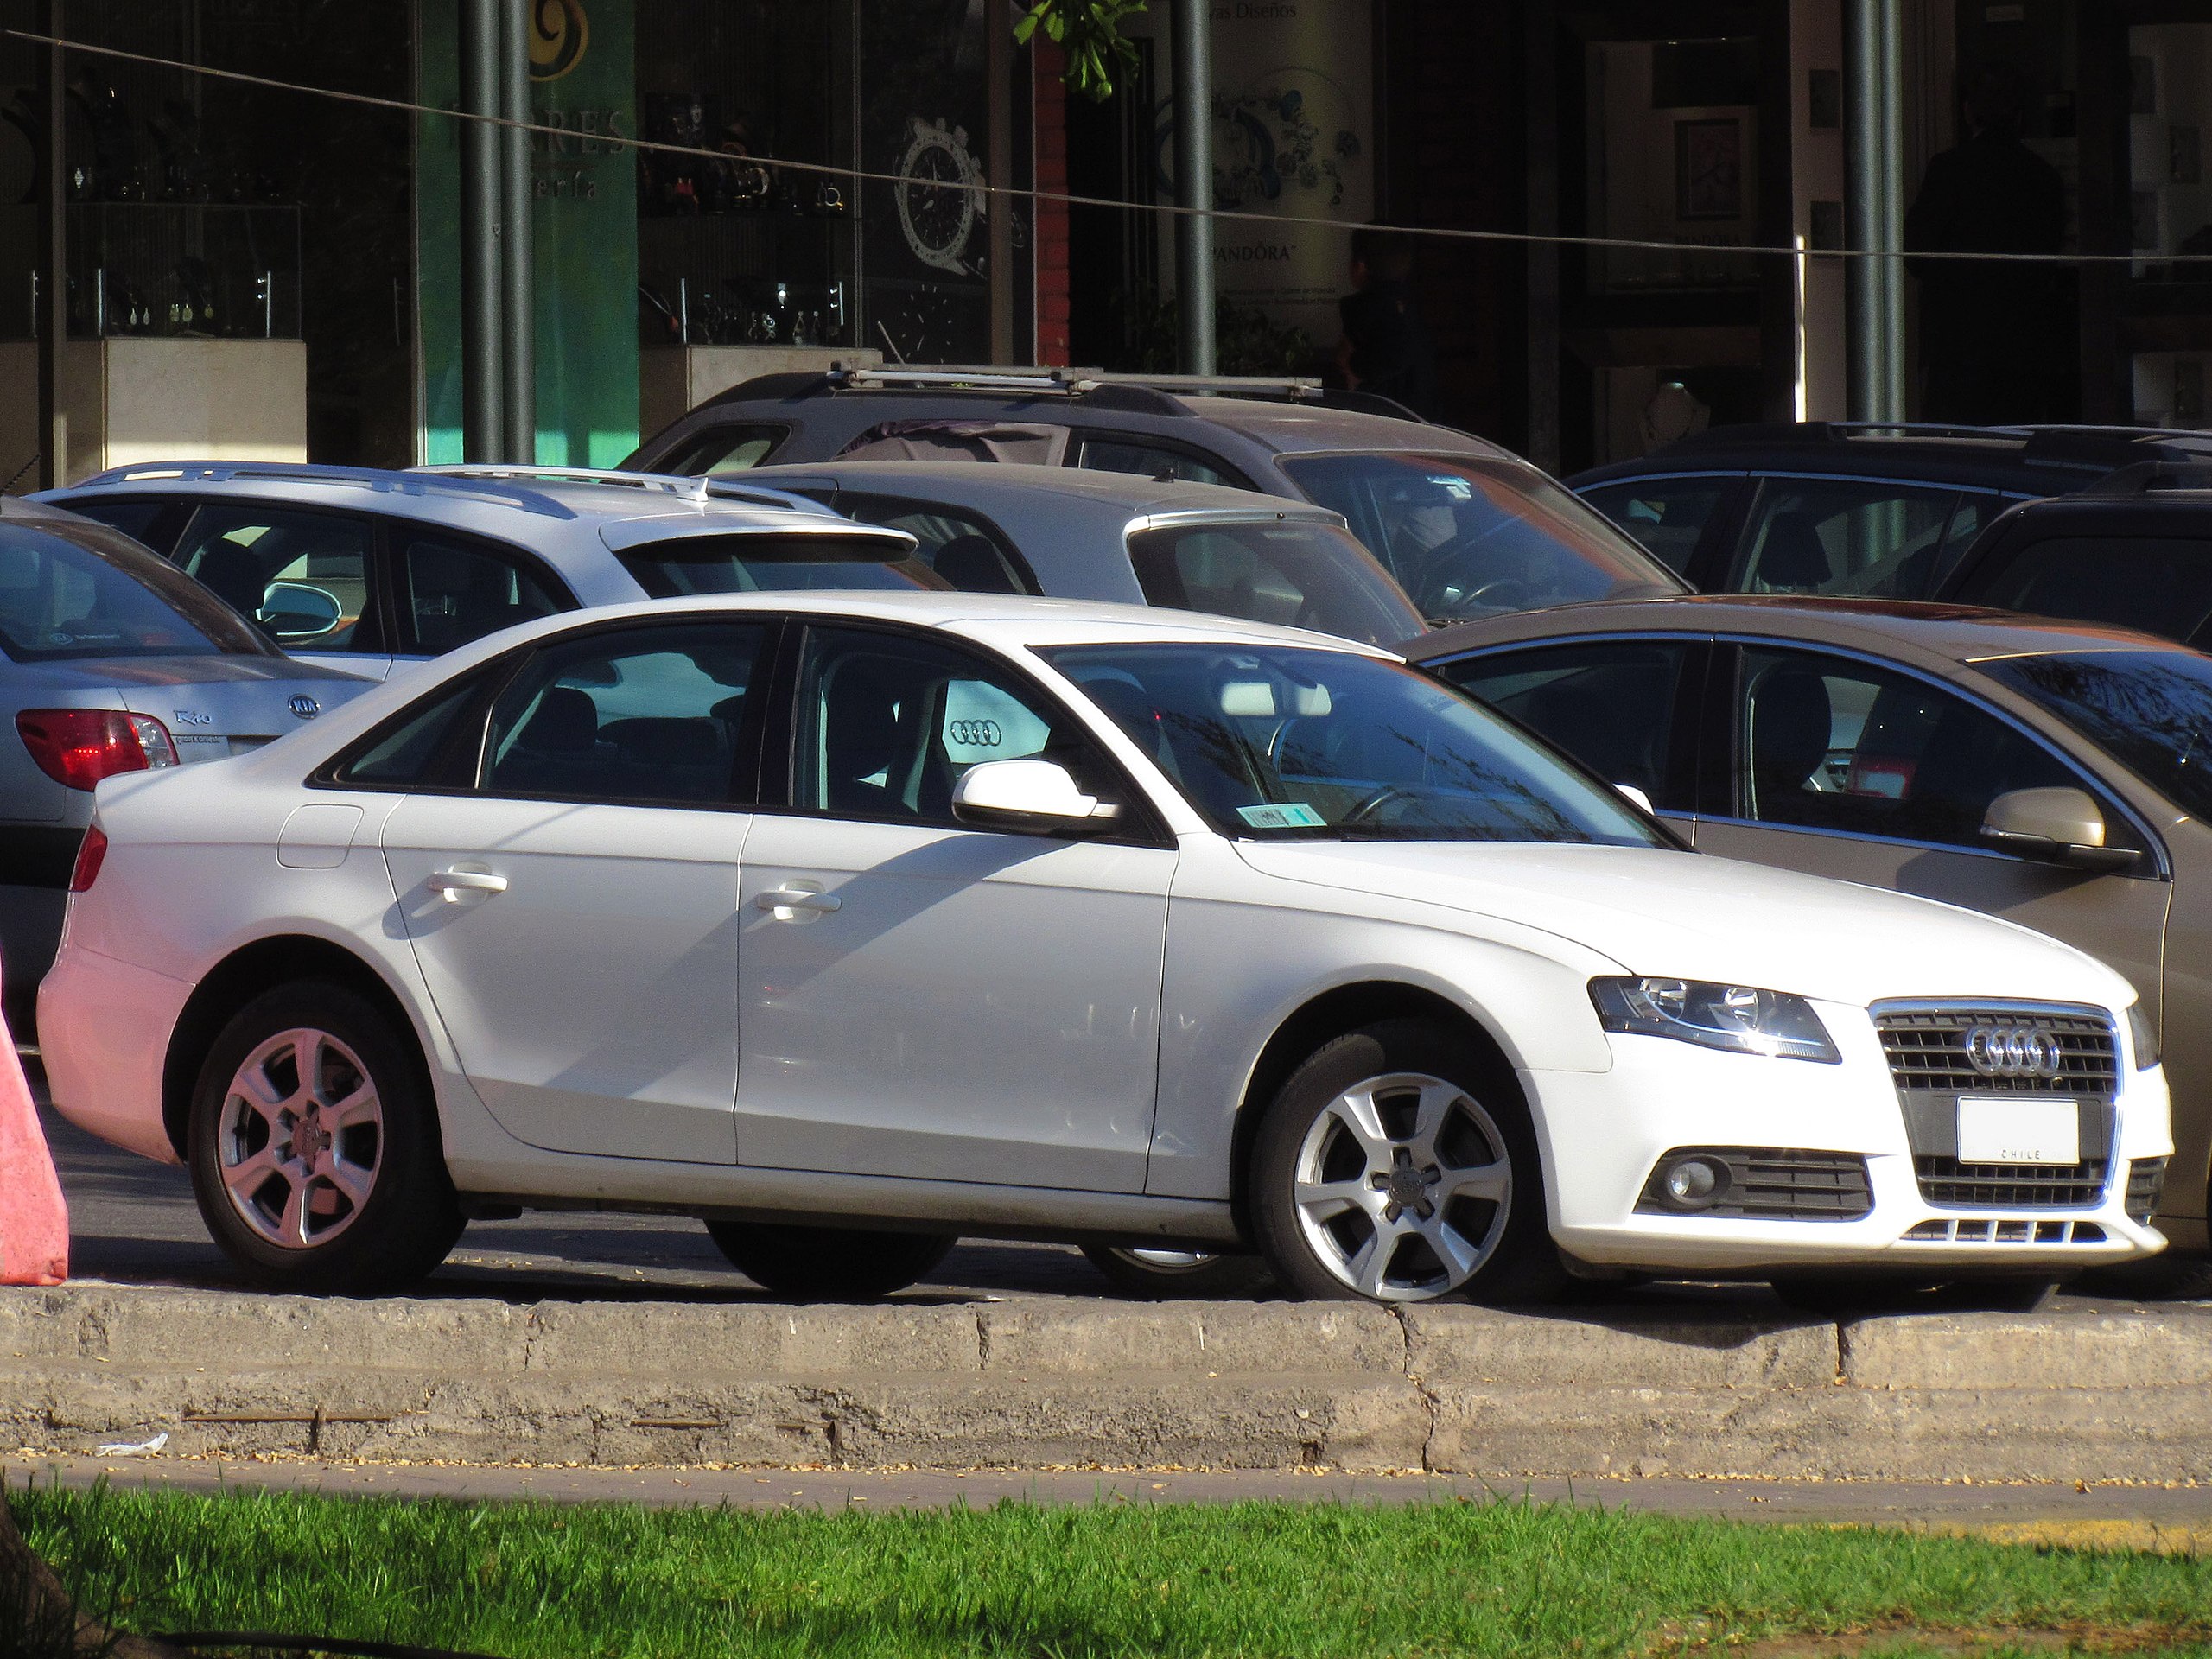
(829, 1264)
(313, 1146)
(1399, 1164)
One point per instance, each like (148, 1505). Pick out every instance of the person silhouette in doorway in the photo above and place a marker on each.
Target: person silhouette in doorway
(1386, 348)
(1996, 338)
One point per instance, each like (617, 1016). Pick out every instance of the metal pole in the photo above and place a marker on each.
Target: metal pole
(483, 418)
(1891, 265)
(51, 314)
(1862, 161)
(1194, 185)
(518, 364)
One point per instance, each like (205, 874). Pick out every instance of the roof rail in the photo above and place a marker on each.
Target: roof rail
(1069, 381)
(2144, 476)
(688, 487)
(411, 481)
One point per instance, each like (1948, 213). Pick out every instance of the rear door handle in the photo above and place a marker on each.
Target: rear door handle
(797, 898)
(454, 883)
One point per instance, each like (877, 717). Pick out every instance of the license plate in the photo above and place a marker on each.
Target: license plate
(2008, 1129)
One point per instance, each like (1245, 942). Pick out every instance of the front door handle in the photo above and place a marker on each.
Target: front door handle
(797, 899)
(456, 883)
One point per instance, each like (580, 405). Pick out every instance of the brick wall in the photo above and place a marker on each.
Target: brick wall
(1051, 217)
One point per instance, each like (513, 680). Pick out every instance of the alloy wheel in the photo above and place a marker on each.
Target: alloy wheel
(1403, 1186)
(299, 1139)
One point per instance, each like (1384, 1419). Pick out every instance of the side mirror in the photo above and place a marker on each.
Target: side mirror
(296, 612)
(1639, 798)
(1033, 796)
(2060, 826)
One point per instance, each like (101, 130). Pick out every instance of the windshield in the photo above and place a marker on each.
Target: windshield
(1470, 537)
(2151, 710)
(1298, 575)
(689, 565)
(1286, 743)
(71, 590)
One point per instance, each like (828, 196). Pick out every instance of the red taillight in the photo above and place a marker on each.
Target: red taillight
(92, 853)
(79, 746)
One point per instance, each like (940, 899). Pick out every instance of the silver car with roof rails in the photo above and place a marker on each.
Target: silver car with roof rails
(1065, 533)
(360, 569)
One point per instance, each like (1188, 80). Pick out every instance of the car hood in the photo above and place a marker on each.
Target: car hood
(1656, 911)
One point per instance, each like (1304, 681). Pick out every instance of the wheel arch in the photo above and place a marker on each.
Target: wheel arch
(246, 974)
(1323, 1017)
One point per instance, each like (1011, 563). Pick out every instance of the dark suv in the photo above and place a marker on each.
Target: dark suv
(1467, 528)
(1828, 507)
(2134, 550)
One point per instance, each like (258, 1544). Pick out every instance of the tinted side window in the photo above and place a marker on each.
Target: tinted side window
(403, 753)
(1611, 704)
(1828, 743)
(967, 551)
(1150, 460)
(887, 724)
(725, 449)
(1844, 535)
(306, 576)
(2160, 584)
(455, 593)
(135, 517)
(645, 715)
(1667, 515)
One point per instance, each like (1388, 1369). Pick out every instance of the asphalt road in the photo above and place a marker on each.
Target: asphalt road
(134, 1222)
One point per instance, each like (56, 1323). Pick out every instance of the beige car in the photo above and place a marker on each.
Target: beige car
(2056, 774)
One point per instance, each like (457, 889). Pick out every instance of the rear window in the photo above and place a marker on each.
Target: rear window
(1297, 575)
(1467, 536)
(725, 449)
(2161, 584)
(689, 565)
(73, 590)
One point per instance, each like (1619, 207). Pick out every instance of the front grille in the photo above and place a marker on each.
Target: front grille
(1927, 1052)
(2145, 1176)
(2041, 1186)
(1773, 1184)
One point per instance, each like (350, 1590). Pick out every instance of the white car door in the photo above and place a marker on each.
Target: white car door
(928, 1000)
(575, 914)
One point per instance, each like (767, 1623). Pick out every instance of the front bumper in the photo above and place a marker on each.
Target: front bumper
(1603, 1133)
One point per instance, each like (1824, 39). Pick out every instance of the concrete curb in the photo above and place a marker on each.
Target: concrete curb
(1046, 1383)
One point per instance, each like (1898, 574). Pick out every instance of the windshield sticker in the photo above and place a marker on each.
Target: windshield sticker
(1287, 815)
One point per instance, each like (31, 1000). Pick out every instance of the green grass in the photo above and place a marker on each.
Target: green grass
(1334, 1582)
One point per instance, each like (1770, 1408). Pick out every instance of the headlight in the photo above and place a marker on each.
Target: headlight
(1738, 1018)
(2141, 1037)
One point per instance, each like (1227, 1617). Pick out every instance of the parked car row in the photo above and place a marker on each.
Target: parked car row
(2036, 771)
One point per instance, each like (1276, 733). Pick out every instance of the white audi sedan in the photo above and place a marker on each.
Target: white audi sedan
(850, 923)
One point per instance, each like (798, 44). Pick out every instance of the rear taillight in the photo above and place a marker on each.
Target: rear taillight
(92, 853)
(79, 746)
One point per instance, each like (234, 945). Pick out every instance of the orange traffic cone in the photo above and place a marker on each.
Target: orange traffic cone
(34, 1221)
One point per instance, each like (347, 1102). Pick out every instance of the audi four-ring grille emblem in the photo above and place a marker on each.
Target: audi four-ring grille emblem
(2014, 1051)
(975, 733)
(306, 707)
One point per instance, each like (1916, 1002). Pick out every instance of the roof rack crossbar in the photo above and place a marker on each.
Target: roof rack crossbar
(690, 487)
(2143, 476)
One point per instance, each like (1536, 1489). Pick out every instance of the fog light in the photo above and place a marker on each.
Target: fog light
(1693, 1183)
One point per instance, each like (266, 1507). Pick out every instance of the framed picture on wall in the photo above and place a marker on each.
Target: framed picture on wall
(1709, 168)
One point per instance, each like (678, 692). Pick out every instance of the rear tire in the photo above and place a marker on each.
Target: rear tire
(1399, 1164)
(315, 1148)
(1161, 1275)
(829, 1264)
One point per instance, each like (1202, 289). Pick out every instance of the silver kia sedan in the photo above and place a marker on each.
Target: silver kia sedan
(111, 660)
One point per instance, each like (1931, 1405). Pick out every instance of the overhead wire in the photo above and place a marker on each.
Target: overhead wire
(1073, 198)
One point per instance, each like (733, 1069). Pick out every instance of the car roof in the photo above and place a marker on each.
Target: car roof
(1960, 634)
(976, 482)
(2040, 460)
(1281, 414)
